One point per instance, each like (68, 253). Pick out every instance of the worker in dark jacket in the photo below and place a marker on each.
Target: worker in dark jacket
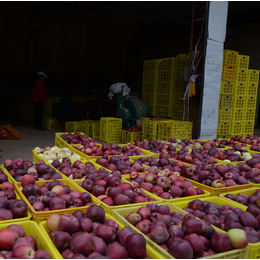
(96, 108)
(39, 99)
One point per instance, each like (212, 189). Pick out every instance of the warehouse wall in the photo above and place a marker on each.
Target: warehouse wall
(246, 40)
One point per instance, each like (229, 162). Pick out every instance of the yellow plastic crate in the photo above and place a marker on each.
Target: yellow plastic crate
(224, 128)
(223, 136)
(32, 228)
(110, 129)
(149, 137)
(150, 99)
(226, 101)
(224, 114)
(248, 127)
(241, 75)
(120, 215)
(149, 88)
(88, 125)
(237, 115)
(165, 76)
(253, 76)
(150, 76)
(76, 126)
(96, 129)
(50, 123)
(236, 128)
(230, 57)
(150, 65)
(243, 61)
(41, 216)
(166, 129)
(227, 87)
(47, 112)
(123, 139)
(167, 64)
(181, 60)
(252, 89)
(165, 88)
(239, 102)
(228, 72)
(150, 127)
(109, 209)
(240, 88)
(249, 115)
(150, 251)
(132, 136)
(48, 104)
(250, 102)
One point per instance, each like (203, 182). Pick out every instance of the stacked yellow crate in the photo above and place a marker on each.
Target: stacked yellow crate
(238, 94)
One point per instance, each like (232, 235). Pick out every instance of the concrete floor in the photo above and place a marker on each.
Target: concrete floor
(31, 138)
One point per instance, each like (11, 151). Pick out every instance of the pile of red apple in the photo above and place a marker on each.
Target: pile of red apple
(135, 128)
(15, 244)
(53, 195)
(92, 149)
(164, 183)
(111, 190)
(250, 201)
(93, 236)
(40, 171)
(10, 206)
(78, 170)
(250, 140)
(76, 138)
(156, 146)
(228, 217)
(121, 164)
(184, 237)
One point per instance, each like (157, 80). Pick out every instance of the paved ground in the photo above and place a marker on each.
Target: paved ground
(30, 138)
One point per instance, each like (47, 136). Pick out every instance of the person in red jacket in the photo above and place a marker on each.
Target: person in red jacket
(39, 99)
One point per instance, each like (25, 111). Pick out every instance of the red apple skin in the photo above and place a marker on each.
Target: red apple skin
(68, 223)
(7, 238)
(53, 221)
(220, 242)
(18, 228)
(27, 179)
(42, 254)
(23, 241)
(23, 252)
(82, 243)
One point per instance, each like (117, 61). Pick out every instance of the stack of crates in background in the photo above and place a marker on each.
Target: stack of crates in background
(110, 129)
(47, 109)
(149, 85)
(50, 123)
(238, 96)
(76, 126)
(26, 108)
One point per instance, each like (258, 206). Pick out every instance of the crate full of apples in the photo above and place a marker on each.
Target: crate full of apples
(25, 240)
(94, 235)
(176, 234)
(57, 196)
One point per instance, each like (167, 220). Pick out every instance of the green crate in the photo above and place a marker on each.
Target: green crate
(241, 75)
(252, 89)
(226, 101)
(250, 102)
(243, 61)
(230, 57)
(253, 76)
(224, 128)
(110, 129)
(240, 88)
(227, 87)
(238, 102)
(249, 115)
(228, 72)
(237, 115)
(248, 127)
(237, 128)
(224, 114)
(50, 123)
